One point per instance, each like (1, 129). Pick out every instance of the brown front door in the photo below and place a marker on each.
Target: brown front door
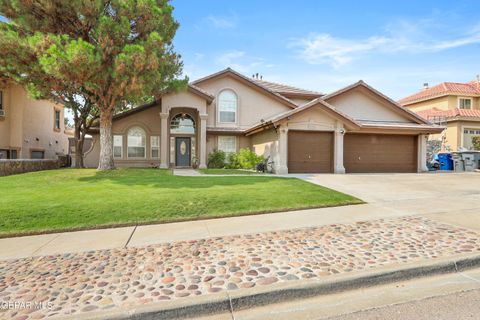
(310, 152)
(377, 153)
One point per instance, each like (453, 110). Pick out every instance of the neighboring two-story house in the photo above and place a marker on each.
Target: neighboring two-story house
(30, 129)
(455, 105)
(355, 129)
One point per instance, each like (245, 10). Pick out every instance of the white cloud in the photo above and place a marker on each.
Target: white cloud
(402, 36)
(222, 22)
(241, 62)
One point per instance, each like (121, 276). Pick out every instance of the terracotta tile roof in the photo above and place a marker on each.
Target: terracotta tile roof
(287, 90)
(449, 114)
(444, 88)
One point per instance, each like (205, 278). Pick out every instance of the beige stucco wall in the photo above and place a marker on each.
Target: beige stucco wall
(311, 119)
(358, 104)
(183, 99)
(148, 120)
(265, 143)
(442, 103)
(253, 105)
(27, 120)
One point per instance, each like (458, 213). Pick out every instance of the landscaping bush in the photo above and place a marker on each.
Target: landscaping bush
(244, 159)
(216, 159)
(476, 143)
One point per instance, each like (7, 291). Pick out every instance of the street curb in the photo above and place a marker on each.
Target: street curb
(286, 291)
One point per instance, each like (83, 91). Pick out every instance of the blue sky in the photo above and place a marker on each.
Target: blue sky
(394, 46)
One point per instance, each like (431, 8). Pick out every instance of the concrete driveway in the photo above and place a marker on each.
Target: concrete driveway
(452, 197)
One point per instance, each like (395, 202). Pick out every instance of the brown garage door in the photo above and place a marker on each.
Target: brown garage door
(310, 152)
(380, 153)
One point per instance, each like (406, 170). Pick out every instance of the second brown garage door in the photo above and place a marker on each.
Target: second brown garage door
(310, 152)
(377, 153)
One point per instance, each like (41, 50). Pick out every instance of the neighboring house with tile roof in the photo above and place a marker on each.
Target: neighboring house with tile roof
(455, 105)
(355, 129)
(30, 129)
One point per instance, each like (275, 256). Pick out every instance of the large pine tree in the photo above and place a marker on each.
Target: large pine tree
(118, 52)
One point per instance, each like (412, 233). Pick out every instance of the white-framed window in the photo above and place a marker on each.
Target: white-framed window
(227, 144)
(117, 146)
(136, 141)
(465, 103)
(155, 146)
(227, 106)
(57, 119)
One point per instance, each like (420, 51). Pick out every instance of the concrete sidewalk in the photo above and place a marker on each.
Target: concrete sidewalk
(20, 247)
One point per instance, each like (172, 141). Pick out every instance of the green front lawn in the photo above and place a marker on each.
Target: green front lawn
(78, 199)
(227, 171)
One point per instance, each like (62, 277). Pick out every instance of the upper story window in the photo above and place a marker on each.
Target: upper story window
(136, 142)
(182, 123)
(57, 120)
(227, 106)
(465, 103)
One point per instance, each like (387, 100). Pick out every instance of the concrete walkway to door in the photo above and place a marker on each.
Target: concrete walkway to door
(451, 198)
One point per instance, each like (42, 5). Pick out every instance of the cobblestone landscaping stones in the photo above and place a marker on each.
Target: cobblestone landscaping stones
(70, 284)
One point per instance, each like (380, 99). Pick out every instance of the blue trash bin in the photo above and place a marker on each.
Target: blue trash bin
(446, 162)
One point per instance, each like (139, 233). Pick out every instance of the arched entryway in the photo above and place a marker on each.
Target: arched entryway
(183, 138)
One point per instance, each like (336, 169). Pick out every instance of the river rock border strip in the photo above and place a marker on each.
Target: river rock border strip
(89, 282)
(277, 293)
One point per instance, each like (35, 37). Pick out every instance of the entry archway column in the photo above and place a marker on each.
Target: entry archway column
(164, 140)
(203, 141)
(282, 167)
(338, 149)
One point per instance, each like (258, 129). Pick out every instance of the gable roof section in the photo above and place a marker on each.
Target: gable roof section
(394, 106)
(445, 88)
(200, 92)
(250, 82)
(326, 107)
(289, 91)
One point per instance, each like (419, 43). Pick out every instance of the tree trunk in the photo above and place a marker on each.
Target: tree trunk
(106, 142)
(78, 149)
(81, 142)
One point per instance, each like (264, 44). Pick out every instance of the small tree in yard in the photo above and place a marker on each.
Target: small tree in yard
(476, 142)
(115, 52)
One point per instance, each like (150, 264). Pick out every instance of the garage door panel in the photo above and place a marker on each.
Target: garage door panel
(365, 153)
(310, 152)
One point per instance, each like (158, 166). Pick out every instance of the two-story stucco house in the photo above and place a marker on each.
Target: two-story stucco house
(456, 105)
(355, 129)
(30, 129)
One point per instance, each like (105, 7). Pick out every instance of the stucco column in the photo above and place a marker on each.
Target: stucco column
(422, 152)
(164, 140)
(282, 167)
(338, 149)
(203, 141)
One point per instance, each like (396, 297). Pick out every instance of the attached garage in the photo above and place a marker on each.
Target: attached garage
(380, 153)
(310, 152)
